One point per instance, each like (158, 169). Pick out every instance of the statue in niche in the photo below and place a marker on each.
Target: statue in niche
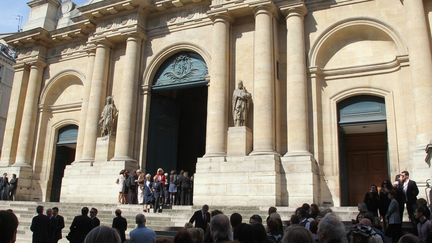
(108, 116)
(240, 104)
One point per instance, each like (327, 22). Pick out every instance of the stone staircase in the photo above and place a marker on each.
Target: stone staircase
(165, 224)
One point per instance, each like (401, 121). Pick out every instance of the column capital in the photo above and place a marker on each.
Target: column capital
(21, 66)
(136, 36)
(222, 17)
(269, 9)
(37, 64)
(294, 11)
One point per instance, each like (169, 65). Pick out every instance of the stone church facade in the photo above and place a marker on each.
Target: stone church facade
(340, 96)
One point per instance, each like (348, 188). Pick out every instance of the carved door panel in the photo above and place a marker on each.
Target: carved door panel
(366, 163)
(163, 134)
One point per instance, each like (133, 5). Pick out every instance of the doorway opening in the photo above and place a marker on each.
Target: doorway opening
(363, 149)
(64, 155)
(178, 114)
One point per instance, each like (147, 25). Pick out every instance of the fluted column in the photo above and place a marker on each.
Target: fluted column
(13, 121)
(97, 92)
(217, 105)
(127, 102)
(84, 105)
(297, 99)
(421, 68)
(263, 93)
(28, 123)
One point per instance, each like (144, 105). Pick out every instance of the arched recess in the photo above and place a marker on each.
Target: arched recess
(335, 131)
(148, 77)
(363, 41)
(177, 112)
(60, 105)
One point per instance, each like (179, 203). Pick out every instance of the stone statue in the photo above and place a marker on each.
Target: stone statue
(108, 116)
(240, 104)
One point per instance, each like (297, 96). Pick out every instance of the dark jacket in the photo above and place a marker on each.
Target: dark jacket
(412, 192)
(120, 224)
(199, 220)
(80, 227)
(95, 222)
(59, 225)
(40, 228)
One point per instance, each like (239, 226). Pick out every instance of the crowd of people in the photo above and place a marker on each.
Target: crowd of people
(156, 191)
(379, 221)
(8, 187)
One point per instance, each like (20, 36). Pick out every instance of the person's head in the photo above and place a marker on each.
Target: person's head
(197, 235)
(8, 226)
(49, 212)
(39, 209)
(306, 207)
(362, 208)
(102, 234)
(373, 188)
(148, 177)
(392, 194)
(14, 176)
(365, 222)
(84, 210)
(274, 223)
(93, 212)
(173, 172)
(118, 212)
(220, 228)
(404, 175)
(297, 233)
(420, 212)
(295, 219)
(55, 211)
(155, 178)
(235, 219)
(314, 210)
(409, 238)
(259, 232)
(182, 236)
(186, 174)
(140, 219)
(205, 208)
(421, 202)
(255, 219)
(271, 210)
(215, 212)
(330, 228)
(386, 184)
(160, 171)
(138, 172)
(302, 213)
(122, 172)
(244, 233)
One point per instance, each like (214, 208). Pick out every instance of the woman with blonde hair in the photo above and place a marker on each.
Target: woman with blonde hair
(148, 193)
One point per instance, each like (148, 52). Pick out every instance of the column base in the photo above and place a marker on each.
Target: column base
(300, 179)
(241, 181)
(265, 152)
(218, 154)
(93, 183)
(124, 158)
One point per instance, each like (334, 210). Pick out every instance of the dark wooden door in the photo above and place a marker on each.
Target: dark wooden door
(366, 158)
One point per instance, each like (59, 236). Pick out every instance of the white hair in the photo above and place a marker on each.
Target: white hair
(102, 234)
(331, 228)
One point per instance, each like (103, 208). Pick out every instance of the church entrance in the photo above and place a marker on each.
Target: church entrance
(178, 114)
(64, 155)
(362, 147)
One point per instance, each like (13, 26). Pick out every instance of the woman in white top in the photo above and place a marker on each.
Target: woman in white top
(120, 181)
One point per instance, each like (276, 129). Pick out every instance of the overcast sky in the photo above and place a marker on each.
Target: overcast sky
(9, 11)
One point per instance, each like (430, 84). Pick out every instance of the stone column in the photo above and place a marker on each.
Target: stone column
(217, 111)
(98, 89)
(263, 93)
(13, 121)
(84, 105)
(28, 123)
(127, 101)
(421, 68)
(297, 99)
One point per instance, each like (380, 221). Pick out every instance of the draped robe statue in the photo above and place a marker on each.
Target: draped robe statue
(240, 105)
(108, 116)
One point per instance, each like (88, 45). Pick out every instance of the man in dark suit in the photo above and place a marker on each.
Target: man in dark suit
(201, 218)
(95, 222)
(120, 224)
(40, 226)
(80, 227)
(59, 224)
(410, 189)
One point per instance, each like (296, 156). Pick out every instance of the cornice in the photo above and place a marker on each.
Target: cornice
(35, 3)
(38, 36)
(107, 8)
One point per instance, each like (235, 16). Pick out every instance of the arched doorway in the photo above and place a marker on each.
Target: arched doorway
(178, 112)
(363, 149)
(64, 155)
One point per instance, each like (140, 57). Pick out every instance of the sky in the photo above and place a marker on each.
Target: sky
(10, 9)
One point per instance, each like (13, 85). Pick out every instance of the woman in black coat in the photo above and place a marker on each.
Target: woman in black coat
(372, 200)
(384, 200)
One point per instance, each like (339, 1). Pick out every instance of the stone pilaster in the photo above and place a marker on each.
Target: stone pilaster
(28, 123)
(13, 121)
(263, 95)
(127, 102)
(217, 111)
(97, 92)
(85, 104)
